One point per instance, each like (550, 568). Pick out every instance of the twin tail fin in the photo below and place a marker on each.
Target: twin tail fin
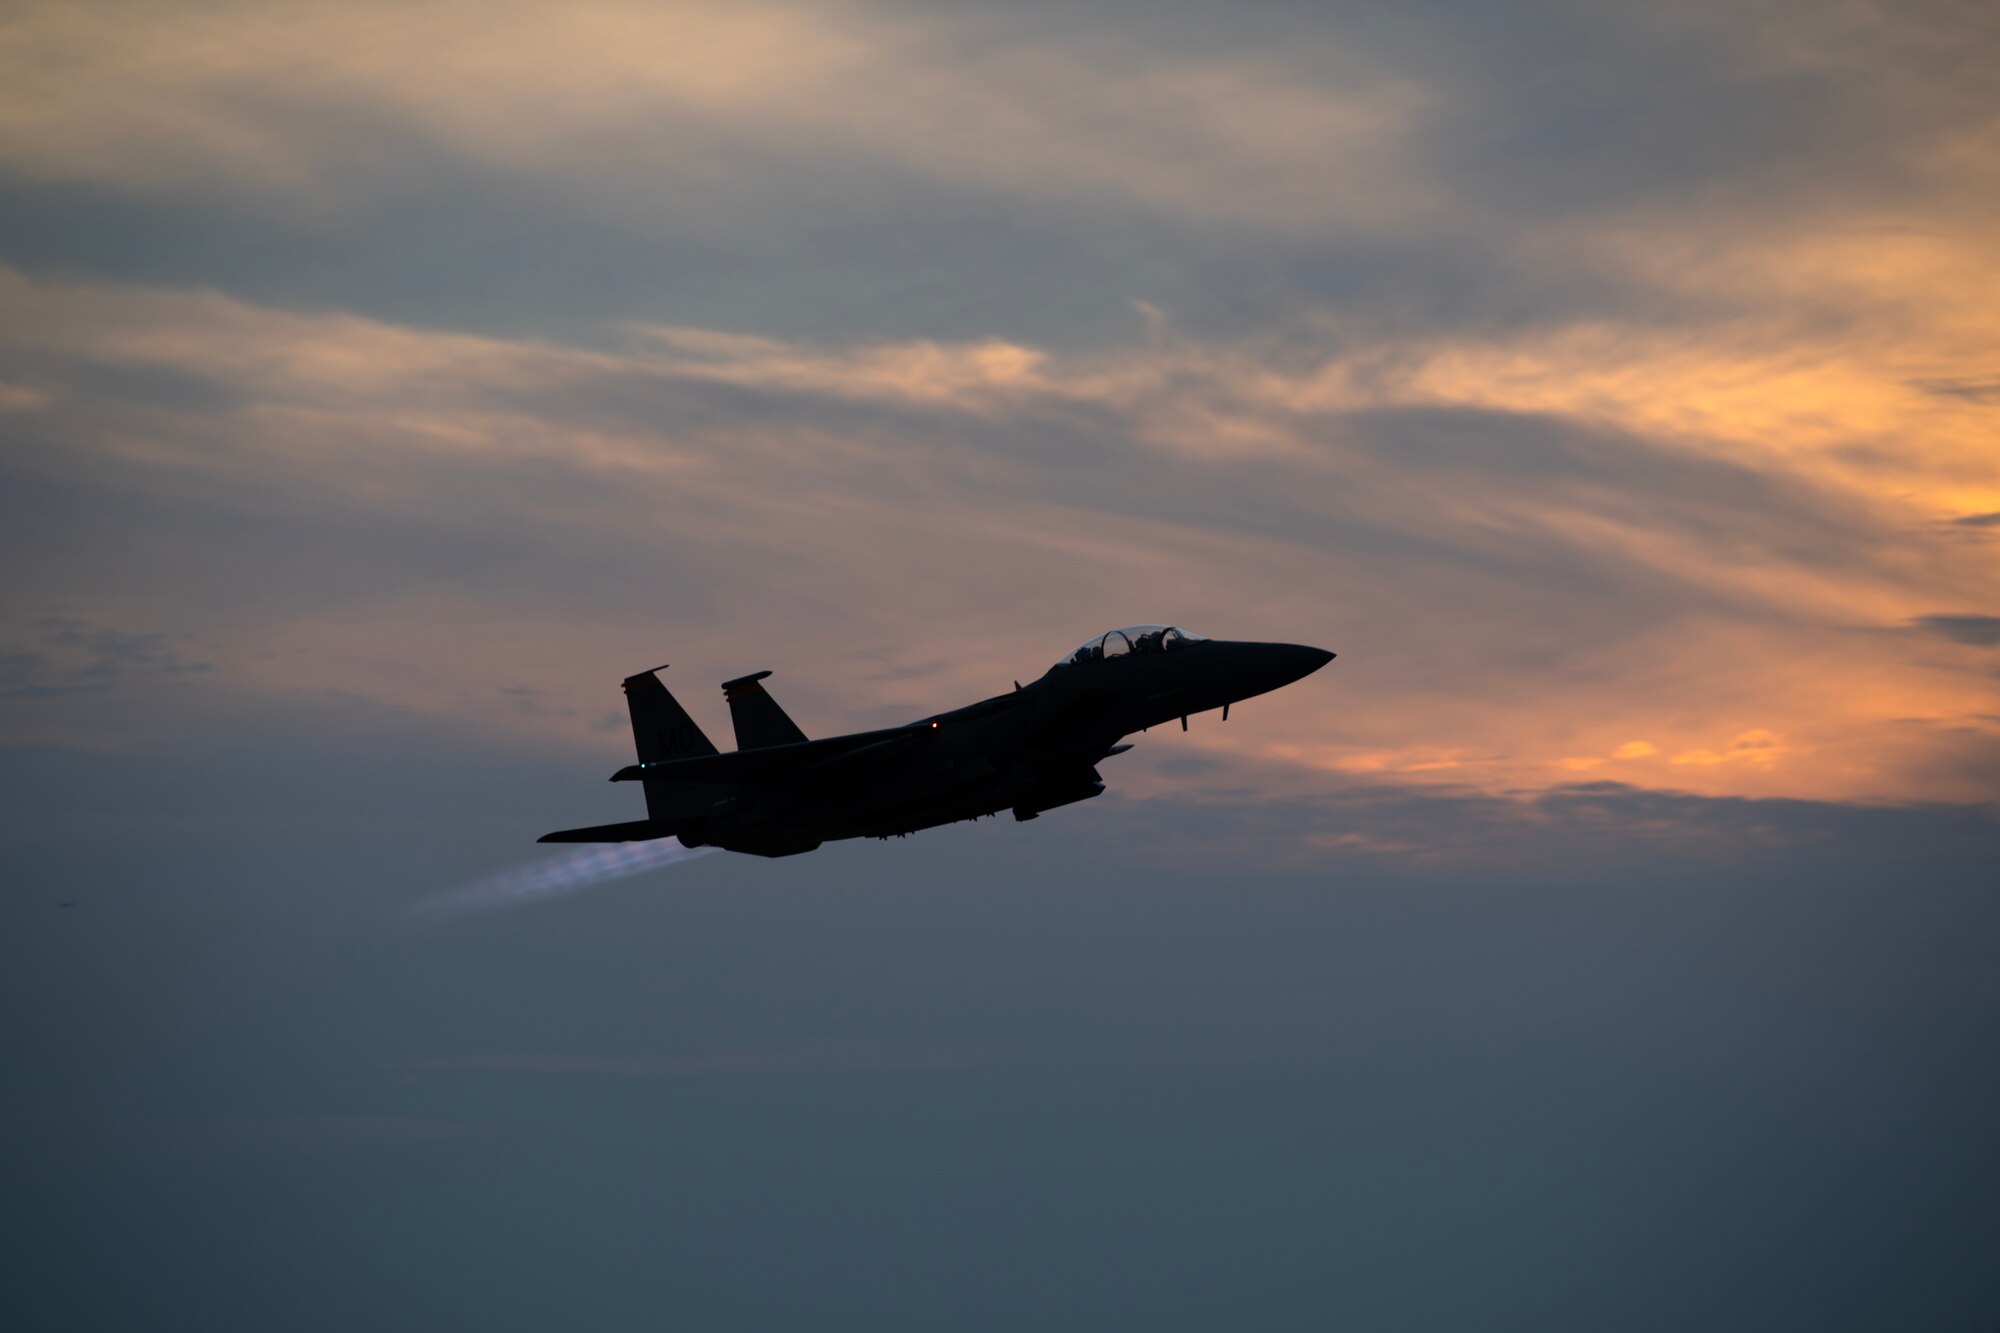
(661, 728)
(759, 721)
(662, 731)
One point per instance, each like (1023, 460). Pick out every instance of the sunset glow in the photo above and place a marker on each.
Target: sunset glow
(1728, 486)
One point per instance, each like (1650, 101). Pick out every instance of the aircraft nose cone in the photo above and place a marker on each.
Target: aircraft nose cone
(1298, 660)
(1269, 666)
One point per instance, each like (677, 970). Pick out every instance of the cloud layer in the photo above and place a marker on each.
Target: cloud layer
(1675, 475)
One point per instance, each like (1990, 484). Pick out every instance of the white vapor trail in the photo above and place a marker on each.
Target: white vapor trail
(558, 875)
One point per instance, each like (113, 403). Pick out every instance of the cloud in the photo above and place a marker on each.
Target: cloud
(1972, 390)
(1758, 748)
(619, 97)
(1570, 409)
(56, 655)
(1577, 827)
(21, 398)
(1979, 631)
(907, 171)
(415, 492)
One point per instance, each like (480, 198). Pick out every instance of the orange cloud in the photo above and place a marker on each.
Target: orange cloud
(1769, 627)
(21, 398)
(1757, 748)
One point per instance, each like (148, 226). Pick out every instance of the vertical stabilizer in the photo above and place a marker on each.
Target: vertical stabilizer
(759, 721)
(661, 728)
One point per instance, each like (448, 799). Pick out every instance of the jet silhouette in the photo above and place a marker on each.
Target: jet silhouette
(1037, 748)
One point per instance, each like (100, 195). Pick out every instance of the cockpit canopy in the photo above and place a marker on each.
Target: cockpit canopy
(1132, 639)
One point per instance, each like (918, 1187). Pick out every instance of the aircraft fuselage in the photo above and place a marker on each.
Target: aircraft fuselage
(1027, 751)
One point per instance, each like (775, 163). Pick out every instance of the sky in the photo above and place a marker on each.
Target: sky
(1603, 939)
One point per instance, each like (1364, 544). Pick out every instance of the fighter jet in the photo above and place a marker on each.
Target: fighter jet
(1029, 751)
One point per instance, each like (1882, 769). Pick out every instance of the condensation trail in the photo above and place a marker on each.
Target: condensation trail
(559, 875)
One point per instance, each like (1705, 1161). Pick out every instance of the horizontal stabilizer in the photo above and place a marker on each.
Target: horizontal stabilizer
(637, 830)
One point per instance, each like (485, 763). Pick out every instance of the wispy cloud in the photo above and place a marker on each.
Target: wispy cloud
(53, 655)
(1634, 562)
(614, 96)
(1979, 631)
(1561, 446)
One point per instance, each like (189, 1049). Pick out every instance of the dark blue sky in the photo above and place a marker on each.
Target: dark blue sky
(1604, 940)
(1649, 1062)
